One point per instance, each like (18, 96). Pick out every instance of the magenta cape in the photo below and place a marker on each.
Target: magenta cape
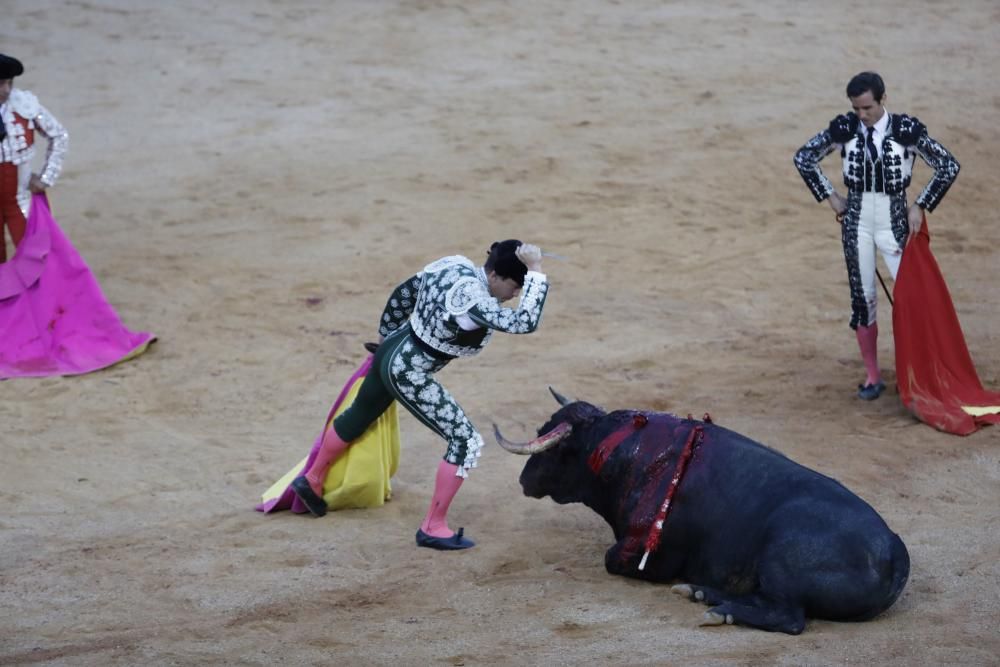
(54, 320)
(934, 372)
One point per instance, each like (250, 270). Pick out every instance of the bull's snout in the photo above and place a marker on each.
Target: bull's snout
(529, 481)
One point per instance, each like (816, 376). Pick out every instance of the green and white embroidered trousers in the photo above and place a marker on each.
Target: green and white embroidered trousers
(404, 371)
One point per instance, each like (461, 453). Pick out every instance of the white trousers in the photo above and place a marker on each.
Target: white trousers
(875, 232)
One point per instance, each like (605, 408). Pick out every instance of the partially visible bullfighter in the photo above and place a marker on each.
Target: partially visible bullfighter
(764, 540)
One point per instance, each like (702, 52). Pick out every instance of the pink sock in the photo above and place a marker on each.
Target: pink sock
(446, 485)
(868, 342)
(329, 451)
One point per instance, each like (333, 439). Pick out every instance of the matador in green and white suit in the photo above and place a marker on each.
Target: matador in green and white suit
(450, 309)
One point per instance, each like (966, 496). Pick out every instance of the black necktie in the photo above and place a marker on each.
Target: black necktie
(872, 151)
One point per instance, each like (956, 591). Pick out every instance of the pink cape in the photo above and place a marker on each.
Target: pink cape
(934, 372)
(54, 320)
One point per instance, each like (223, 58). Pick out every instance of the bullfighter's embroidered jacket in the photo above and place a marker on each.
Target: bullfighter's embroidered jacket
(905, 138)
(449, 307)
(22, 116)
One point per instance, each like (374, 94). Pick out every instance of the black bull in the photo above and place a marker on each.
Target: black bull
(763, 540)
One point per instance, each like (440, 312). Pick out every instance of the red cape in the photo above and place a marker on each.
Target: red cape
(937, 381)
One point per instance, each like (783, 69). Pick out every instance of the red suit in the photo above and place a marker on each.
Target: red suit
(23, 117)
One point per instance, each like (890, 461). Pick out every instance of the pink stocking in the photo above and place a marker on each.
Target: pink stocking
(329, 451)
(446, 485)
(868, 342)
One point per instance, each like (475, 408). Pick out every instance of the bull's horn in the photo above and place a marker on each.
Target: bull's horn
(539, 444)
(563, 401)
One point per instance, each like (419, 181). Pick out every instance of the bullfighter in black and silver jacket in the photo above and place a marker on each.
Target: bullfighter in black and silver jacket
(877, 149)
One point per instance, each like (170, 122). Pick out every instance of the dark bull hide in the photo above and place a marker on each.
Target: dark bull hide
(762, 539)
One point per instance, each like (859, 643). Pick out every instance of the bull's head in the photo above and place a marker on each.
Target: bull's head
(557, 464)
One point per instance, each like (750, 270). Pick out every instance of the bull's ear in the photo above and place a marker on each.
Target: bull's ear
(563, 401)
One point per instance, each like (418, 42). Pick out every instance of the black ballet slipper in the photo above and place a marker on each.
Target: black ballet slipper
(870, 392)
(314, 503)
(453, 543)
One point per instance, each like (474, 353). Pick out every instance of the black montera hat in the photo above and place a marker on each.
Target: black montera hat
(503, 260)
(10, 67)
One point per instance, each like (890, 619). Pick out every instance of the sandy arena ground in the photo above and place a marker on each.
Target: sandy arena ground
(249, 180)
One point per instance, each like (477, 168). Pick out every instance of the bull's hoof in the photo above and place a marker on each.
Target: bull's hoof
(684, 590)
(713, 618)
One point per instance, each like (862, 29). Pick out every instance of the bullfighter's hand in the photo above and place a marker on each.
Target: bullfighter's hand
(915, 216)
(530, 256)
(839, 205)
(36, 185)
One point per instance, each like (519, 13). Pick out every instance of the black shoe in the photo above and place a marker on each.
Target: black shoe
(870, 392)
(452, 543)
(315, 504)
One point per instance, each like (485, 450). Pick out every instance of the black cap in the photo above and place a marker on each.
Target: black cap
(503, 260)
(10, 67)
